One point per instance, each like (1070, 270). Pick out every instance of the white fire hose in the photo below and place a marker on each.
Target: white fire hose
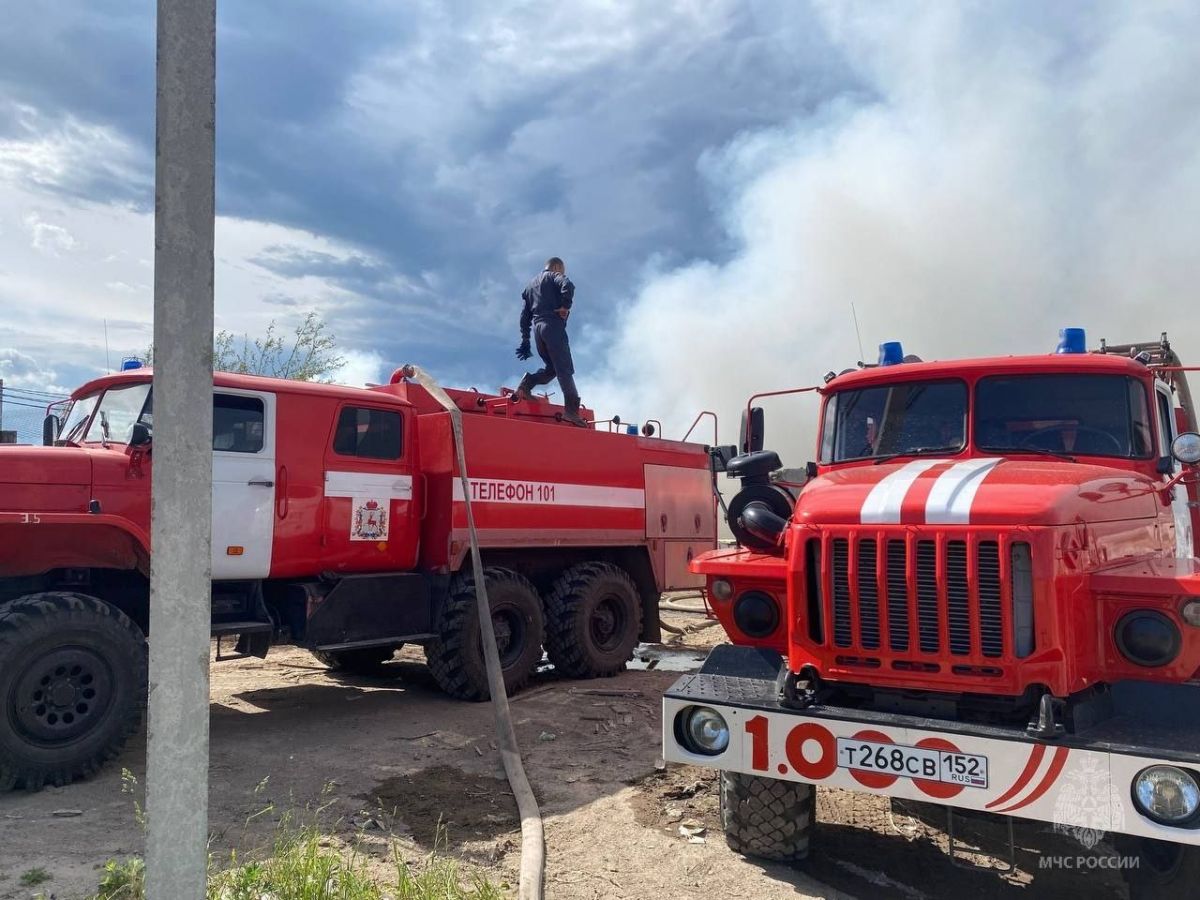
(533, 841)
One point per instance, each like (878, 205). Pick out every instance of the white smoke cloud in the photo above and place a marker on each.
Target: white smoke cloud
(996, 177)
(361, 368)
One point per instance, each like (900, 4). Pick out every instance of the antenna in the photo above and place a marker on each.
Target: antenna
(857, 333)
(107, 361)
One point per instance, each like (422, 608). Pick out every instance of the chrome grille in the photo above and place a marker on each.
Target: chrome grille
(991, 619)
(897, 596)
(927, 596)
(842, 634)
(958, 603)
(868, 595)
(958, 598)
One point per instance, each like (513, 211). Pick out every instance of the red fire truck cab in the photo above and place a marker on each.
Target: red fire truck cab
(984, 594)
(338, 525)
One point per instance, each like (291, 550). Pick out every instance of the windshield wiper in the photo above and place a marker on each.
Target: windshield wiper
(916, 451)
(1045, 451)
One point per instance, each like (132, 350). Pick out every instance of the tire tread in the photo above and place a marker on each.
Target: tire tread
(566, 651)
(446, 654)
(766, 817)
(16, 618)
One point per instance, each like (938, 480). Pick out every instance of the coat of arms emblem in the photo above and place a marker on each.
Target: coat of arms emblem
(369, 522)
(1087, 806)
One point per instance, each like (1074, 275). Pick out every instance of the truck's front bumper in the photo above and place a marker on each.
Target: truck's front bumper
(1081, 783)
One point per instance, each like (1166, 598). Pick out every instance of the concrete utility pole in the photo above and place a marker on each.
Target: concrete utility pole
(181, 516)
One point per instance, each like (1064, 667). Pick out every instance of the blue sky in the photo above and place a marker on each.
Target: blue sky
(723, 178)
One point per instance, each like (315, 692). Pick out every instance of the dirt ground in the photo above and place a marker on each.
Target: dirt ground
(390, 760)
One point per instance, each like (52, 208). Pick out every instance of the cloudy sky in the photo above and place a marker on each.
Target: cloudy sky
(724, 178)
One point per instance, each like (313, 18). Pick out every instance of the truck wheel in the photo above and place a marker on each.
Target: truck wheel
(361, 661)
(1165, 870)
(455, 656)
(767, 818)
(593, 620)
(72, 684)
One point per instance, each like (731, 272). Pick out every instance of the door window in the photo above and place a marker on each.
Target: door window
(368, 433)
(237, 423)
(1165, 422)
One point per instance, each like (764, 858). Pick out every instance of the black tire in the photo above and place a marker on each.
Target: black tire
(767, 818)
(1165, 871)
(360, 661)
(455, 657)
(72, 687)
(593, 620)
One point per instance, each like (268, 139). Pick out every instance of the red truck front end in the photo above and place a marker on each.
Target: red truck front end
(985, 594)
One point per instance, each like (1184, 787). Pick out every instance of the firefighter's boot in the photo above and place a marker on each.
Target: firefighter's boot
(571, 414)
(523, 389)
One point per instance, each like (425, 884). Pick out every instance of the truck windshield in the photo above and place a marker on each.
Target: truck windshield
(1089, 415)
(907, 418)
(77, 418)
(119, 409)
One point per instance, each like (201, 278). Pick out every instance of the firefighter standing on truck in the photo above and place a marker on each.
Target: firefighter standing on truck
(548, 301)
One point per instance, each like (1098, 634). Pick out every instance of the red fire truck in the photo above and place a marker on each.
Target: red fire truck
(983, 594)
(338, 525)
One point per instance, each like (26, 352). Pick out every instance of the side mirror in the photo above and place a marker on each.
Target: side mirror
(1186, 448)
(140, 436)
(50, 428)
(753, 430)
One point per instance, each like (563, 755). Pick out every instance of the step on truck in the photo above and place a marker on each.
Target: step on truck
(983, 594)
(339, 525)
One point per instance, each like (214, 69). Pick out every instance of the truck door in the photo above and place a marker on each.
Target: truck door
(371, 509)
(1190, 488)
(1184, 546)
(243, 500)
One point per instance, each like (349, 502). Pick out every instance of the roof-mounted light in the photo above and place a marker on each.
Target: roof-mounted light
(1072, 340)
(129, 363)
(891, 353)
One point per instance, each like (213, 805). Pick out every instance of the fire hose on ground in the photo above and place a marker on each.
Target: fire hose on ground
(533, 843)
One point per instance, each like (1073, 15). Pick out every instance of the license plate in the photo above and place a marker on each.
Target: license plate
(913, 762)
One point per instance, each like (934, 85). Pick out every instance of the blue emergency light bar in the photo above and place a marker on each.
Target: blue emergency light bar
(891, 353)
(1072, 340)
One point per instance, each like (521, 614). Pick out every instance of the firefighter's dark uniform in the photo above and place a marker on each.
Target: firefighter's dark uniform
(545, 295)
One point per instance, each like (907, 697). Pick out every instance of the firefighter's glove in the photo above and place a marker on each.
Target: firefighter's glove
(523, 352)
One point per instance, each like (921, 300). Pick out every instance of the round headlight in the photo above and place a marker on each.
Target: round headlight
(704, 731)
(720, 589)
(756, 613)
(1148, 638)
(1191, 613)
(1168, 795)
(1186, 448)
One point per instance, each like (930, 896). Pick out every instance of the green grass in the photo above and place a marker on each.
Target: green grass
(301, 867)
(34, 877)
(302, 863)
(123, 880)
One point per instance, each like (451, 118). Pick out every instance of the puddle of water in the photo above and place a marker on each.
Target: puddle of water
(666, 659)
(654, 657)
